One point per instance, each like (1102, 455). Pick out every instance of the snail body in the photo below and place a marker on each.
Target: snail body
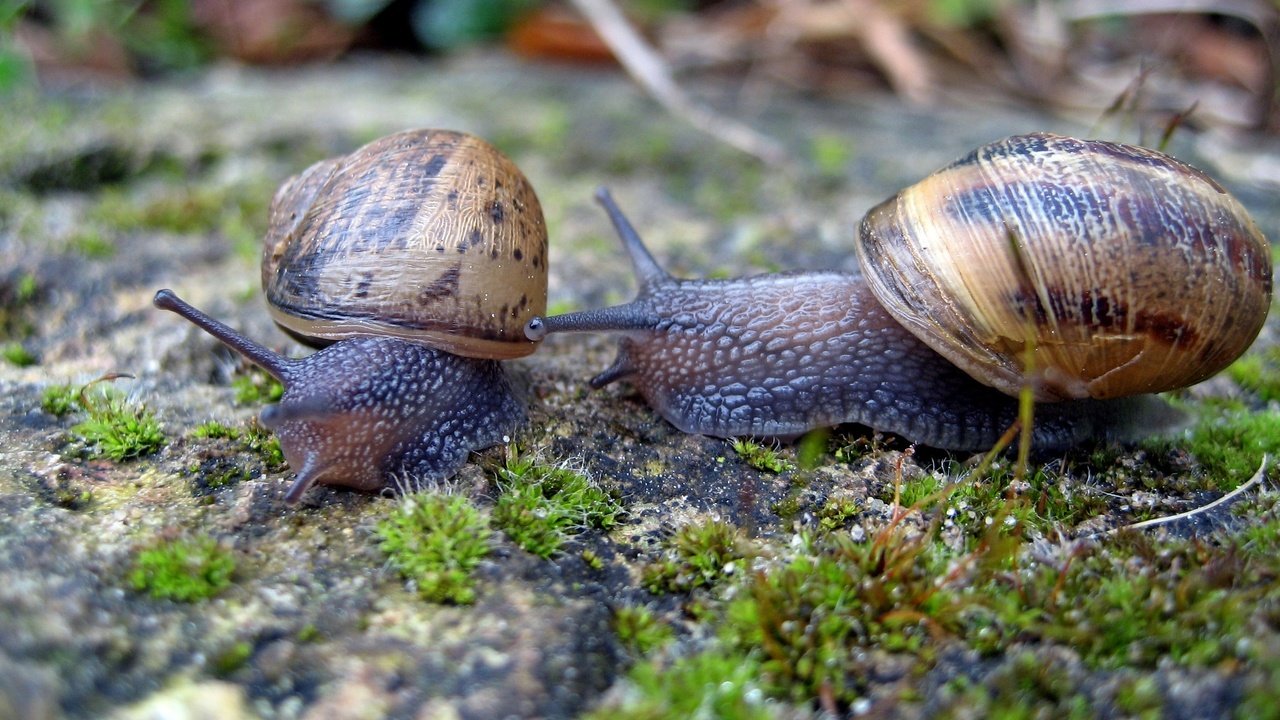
(413, 264)
(782, 354)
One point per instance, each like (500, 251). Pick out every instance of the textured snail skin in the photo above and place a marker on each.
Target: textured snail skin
(778, 355)
(368, 412)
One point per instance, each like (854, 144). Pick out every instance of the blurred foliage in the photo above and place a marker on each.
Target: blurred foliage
(150, 37)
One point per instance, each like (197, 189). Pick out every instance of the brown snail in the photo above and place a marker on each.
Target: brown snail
(1134, 272)
(413, 263)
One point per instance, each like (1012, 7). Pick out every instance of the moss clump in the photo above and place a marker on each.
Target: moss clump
(253, 437)
(436, 541)
(1045, 500)
(19, 294)
(59, 400)
(256, 387)
(541, 506)
(837, 597)
(714, 684)
(116, 428)
(1259, 373)
(1145, 601)
(1230, 443)
(1024, 687)
(697, 555)
(761, 457)
(17, 354)
(185, 570)
(830, 154)
(640, 630)
(234, 657)
(835, 513)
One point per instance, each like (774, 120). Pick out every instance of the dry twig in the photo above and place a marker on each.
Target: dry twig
(651, 71)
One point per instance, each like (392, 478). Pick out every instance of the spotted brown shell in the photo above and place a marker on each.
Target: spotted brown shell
(426, 235)
(1124, 270)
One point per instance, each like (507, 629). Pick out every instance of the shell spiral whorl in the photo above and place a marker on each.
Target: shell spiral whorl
(428, 235)
(1138, 272)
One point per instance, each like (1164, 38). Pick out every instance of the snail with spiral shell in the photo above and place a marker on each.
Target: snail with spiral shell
(413, 263)
(1126, 271)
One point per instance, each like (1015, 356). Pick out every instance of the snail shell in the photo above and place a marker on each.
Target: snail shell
(432, 236)
(1128, 271)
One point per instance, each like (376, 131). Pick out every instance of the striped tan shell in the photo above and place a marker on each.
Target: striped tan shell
(427, 235)
(1132, 272)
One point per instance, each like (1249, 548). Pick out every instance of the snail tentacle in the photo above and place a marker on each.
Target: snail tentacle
(280, 367)
(647, 269)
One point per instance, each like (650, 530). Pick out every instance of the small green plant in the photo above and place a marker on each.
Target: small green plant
(234, 657)
(640, 630)
(1230, 443)
(835, 513)
(59, 400)
(830, 154)
(542, 505)
(116, 428)
(17, 354)
(697, 555)
(260, 441)
(436, 541)
(714, 683)
(215, 430)
(919, 489)
(252, 437)
(185, 569)
(256, 387)
(761, 457)
(1259, 372)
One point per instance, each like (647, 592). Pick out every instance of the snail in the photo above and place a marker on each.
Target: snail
(1133, 273)
(413, 263)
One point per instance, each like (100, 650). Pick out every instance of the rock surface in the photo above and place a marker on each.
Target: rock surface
(315, 624)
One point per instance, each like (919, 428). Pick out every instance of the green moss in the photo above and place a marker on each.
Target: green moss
(1261, 699)
(592, 559)
(185, 569)
(1230, 444)
(789, 506)
(640, 630)
(436, 541)
(116, 428)
(1026, 687)
(811, 448)
(761, 457)
(232, 658)
(835, 513)
(259, 440)
(1046, 500)
(830, 154)
(18, 298)
(216, 430)
(216, 472)
(1259, 373)
(92, 243)
(698, 555)
(541, 506)
(256, 387)
(816, 613)
(1141, 602)
(15, 353)
(253, 437)
(1139, 697)
(711, 684)
(917, 490)
(59, 400)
